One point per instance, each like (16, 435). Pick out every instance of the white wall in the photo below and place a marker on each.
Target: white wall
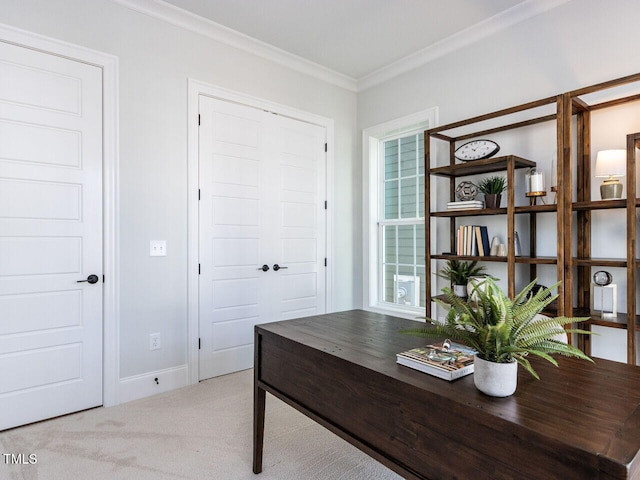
(155, 61)
(580, 43)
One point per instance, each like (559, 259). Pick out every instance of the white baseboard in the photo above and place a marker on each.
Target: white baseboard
(145, 385)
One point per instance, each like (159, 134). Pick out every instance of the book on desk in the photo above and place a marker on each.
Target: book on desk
(446, 363)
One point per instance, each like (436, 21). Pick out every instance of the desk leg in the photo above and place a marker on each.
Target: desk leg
(258, 427)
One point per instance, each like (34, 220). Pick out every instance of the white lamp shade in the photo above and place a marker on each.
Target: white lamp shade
(611, 163)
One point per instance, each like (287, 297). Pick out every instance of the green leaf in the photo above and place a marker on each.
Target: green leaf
(502, 330)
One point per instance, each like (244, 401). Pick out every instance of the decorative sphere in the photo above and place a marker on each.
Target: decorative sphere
(466, 191)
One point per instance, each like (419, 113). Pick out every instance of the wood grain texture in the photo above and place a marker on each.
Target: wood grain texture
(580, 421)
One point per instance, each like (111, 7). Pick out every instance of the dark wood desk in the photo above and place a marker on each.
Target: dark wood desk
(581, 421)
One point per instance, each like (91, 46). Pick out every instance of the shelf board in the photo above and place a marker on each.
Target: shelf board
(473, 212)
(621, 321)
(600, 262)
(476, 212)
(485, 165)
(520, 259)
(550, 207)
(538, 260)
(469, 257)
(600, 204)
(442, 298)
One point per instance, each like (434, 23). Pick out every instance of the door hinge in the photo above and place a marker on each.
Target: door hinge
(198, 343)
(198, 269)
(325, 147)
(198, 194)
(198, 119)
(103, 278)
(325, 261)
(325, 204)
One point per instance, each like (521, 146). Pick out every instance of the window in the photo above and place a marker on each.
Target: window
(394, 264)
(401, 222)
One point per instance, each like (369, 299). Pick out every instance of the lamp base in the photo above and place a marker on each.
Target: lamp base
(611, 189)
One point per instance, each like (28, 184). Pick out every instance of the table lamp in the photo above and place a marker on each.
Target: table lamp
(611, 164)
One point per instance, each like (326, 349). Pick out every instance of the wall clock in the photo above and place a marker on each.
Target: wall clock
(476, 149)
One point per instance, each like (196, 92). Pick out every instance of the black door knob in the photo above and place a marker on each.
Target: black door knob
(277, 267)
(90, 279)
(264, 267)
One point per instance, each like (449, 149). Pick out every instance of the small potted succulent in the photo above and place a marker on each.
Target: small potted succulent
(459, 273)
(504, 333)
(492, 187)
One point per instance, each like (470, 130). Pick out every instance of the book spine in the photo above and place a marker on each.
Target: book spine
(461, 372)
(474, 242)
(485, 240)
(479, 241)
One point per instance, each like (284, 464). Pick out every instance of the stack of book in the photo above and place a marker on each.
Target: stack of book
(472, 240)
(466, 205)
(448, 364)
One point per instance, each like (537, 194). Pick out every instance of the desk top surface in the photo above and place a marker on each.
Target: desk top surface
(590, 407)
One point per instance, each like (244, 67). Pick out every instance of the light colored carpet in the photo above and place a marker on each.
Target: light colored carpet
(198, 432)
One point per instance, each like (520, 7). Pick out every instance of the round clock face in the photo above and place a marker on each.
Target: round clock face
(476, 149)
(602, 278)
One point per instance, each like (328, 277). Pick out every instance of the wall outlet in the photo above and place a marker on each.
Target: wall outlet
(154, 341)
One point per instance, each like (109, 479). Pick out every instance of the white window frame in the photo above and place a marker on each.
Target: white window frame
(372, 198)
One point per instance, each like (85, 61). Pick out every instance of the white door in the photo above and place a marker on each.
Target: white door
(50, 235)
(262, 223)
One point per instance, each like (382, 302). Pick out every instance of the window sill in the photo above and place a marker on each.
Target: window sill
(414, 313)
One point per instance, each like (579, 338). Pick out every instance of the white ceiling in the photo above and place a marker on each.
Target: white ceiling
(361, 42)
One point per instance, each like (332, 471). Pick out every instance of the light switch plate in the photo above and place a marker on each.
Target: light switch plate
(158, 248)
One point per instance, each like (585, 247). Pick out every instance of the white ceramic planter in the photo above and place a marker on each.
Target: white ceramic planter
(475, 282)
(495, 379)
(460, 291)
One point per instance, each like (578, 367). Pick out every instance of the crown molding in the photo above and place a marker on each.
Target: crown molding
(194, 23)
(486, 28)
(197, 24)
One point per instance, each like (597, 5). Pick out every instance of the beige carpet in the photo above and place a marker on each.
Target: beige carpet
(199, 432)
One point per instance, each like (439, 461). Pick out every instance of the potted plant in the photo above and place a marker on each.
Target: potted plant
(504, 333)
(492, 187)
(459, 273)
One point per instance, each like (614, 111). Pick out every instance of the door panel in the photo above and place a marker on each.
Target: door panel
(300, 238)
(261, 203)
(230, 229)
(50, 235)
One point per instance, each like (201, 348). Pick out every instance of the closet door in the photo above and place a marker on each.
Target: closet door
(261, 227)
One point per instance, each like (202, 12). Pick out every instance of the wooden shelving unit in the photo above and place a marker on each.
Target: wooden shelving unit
(580, 262)
(508, 164)
(573, 207)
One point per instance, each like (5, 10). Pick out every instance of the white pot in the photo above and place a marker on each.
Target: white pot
(473, 283)
(495, 379)
(460, 290)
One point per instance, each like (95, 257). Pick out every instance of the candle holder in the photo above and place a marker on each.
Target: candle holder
(533, 197)
(535, 186)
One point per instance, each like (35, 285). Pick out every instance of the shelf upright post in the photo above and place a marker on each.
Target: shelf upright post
(561, 227)
(633, 142)
(564, 206)
(452, 195)
(427, 221)
(511, 222)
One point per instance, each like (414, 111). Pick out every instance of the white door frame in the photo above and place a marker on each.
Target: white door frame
(111, 298)
(195, 89)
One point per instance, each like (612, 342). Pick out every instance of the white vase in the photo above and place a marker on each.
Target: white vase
(475, 282)
(495, 379)
(460, 291)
